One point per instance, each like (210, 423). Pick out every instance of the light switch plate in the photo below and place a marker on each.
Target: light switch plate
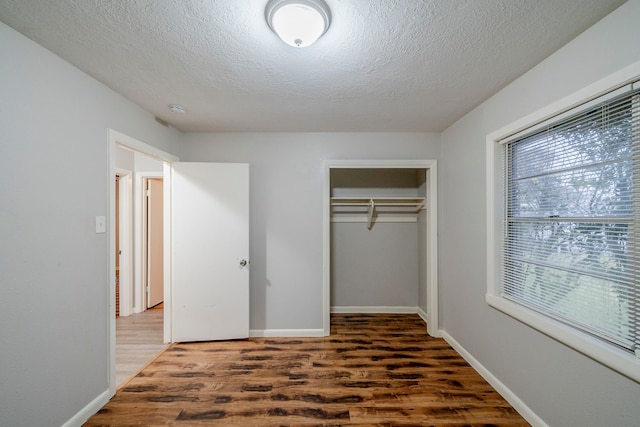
(101, 224)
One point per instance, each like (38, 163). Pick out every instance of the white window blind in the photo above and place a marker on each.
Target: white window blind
(572, 236)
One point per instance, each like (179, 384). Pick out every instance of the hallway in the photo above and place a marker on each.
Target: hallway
(138, 341)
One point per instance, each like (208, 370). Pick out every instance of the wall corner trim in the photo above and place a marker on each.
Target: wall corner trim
(500, 387)
(91, 409)
(422, 314)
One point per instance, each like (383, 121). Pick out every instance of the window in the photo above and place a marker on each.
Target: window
(567, 243)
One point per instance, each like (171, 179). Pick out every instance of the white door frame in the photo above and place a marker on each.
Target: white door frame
(116, 138)
(432, 232)
(125, 238)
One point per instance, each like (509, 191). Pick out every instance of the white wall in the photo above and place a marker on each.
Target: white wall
(560, 385)
(377, 267)
(286, 196)
(134, 161)
(53, 266)
(144, 163)
(423, 254)
(125, 159)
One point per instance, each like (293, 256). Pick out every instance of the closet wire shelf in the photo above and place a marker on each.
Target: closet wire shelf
(395, 209)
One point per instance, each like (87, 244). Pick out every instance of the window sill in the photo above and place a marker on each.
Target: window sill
(620, 361)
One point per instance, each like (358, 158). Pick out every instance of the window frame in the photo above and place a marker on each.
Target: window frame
(617, 359)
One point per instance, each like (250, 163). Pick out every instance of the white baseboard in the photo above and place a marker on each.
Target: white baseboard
(504, 391)
(379, 309)
(286, 333)
(88, 411)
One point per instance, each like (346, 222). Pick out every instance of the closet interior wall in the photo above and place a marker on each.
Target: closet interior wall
(378, 262)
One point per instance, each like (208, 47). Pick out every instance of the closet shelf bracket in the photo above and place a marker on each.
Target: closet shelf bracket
(370, 211)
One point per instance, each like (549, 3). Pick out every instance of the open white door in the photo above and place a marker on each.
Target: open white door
(210, 250)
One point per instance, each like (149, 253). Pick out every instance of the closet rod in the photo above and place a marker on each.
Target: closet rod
(377, 203)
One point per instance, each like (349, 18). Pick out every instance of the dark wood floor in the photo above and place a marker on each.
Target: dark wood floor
(374, 370)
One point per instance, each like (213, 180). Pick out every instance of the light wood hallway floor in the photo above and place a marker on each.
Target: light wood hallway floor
(139, 338)
(374, 370)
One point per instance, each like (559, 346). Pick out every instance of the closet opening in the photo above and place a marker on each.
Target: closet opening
(380, 242)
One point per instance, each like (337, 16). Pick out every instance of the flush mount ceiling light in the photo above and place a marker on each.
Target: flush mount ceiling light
(299, 23)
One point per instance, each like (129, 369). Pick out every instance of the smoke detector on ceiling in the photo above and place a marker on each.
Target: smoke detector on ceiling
(175, 108)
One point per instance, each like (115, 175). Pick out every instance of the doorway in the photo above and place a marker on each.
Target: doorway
(377, 195)
(139, 293)
(213, 282)
(134, 163)
(140, 230)
(139, 290)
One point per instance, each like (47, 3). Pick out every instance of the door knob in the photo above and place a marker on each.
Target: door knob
(243, 263)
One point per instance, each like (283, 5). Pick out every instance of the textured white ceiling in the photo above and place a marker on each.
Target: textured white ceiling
(383, 65)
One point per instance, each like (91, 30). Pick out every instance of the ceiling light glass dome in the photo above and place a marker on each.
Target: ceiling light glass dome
(299, 23)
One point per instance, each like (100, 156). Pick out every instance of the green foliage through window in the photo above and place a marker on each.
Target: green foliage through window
(572, 209)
